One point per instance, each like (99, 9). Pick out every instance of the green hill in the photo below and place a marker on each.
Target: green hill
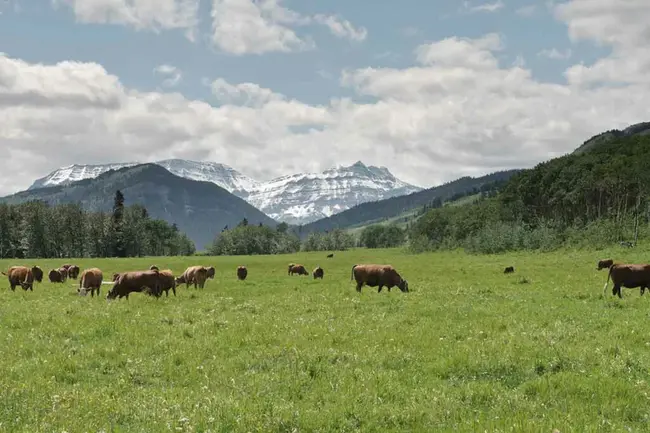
(399, 207)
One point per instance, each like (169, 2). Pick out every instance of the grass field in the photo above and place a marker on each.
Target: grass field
(468, 349)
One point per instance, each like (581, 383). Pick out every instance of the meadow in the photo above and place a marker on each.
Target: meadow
(467, 349)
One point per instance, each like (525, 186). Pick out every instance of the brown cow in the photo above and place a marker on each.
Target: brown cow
(210, 272)
(167, 281)
(56, 276)
(73, 272)
(148, 282)
(628, 276)
(24, 276)
(604, 264)
(193, 275)
(378, 275)
(318, 272)
(64, 273)
(297, 269)
(242, 272)
(90, 279)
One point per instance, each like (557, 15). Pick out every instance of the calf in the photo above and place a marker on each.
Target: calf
(318, 272)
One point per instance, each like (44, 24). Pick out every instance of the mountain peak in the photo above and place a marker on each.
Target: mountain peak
(298, 198)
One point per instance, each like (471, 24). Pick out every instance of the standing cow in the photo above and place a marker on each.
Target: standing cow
(148, 282)
(210, 273)
(318, 272)
(24, 276)
(55, 276)
(242, 272)
(90, 279)
(628, 276)
(378, 275)
(193, 275)
(167, 281)
(297, 269)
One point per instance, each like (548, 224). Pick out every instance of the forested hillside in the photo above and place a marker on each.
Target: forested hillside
(38, 230)
(380, 210)
(594, 197)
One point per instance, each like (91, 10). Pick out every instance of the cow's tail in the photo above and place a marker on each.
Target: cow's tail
(609, 274)
(352, 273)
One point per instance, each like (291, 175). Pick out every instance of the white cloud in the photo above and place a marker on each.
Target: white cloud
(153, 15)
(483, 7)
(456, 111)
(624, 28)
(173, 74)
(342, 28)
(245, 27)
(261, 26)
(554, 53)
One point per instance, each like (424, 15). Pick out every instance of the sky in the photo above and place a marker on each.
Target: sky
(432, 89)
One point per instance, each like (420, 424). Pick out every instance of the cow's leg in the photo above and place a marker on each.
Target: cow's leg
(617, 290)
(174, 290)
(379, 288)
(359, 287)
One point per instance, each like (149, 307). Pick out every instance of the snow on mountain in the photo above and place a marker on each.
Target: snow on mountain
(295, 199)
(220, 174)
(303, 198)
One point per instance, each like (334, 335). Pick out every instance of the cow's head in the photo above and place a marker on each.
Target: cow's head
(604, 264)
(403, 285)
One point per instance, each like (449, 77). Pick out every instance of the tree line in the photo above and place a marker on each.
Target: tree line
(37, 230)
(591, 199)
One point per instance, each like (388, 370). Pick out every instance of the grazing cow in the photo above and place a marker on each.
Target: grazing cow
(628, 276)
(378, 275)
(242, 272)
(193, 275)
(64, 273)
(56, 276)
(318, 272)
(167, 281)
(24, 276)
(329, 256)
(148, 282)
(604, 264)
(154, 268)
(90, 279)
(297, 269)
(210, 272)
(509, 270)
(73, 272)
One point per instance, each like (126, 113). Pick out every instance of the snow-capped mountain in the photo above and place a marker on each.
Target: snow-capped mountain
(295, 199)
(303, 198)
(225, 176)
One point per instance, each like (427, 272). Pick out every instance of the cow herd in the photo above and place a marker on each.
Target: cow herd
(154, 281)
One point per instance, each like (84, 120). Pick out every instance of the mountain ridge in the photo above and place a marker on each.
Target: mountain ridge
(295, 198)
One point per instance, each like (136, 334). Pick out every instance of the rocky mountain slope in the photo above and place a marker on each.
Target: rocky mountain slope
(199, 208)
(295, 199)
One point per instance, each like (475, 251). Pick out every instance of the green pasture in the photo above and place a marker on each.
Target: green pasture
(469, 349)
